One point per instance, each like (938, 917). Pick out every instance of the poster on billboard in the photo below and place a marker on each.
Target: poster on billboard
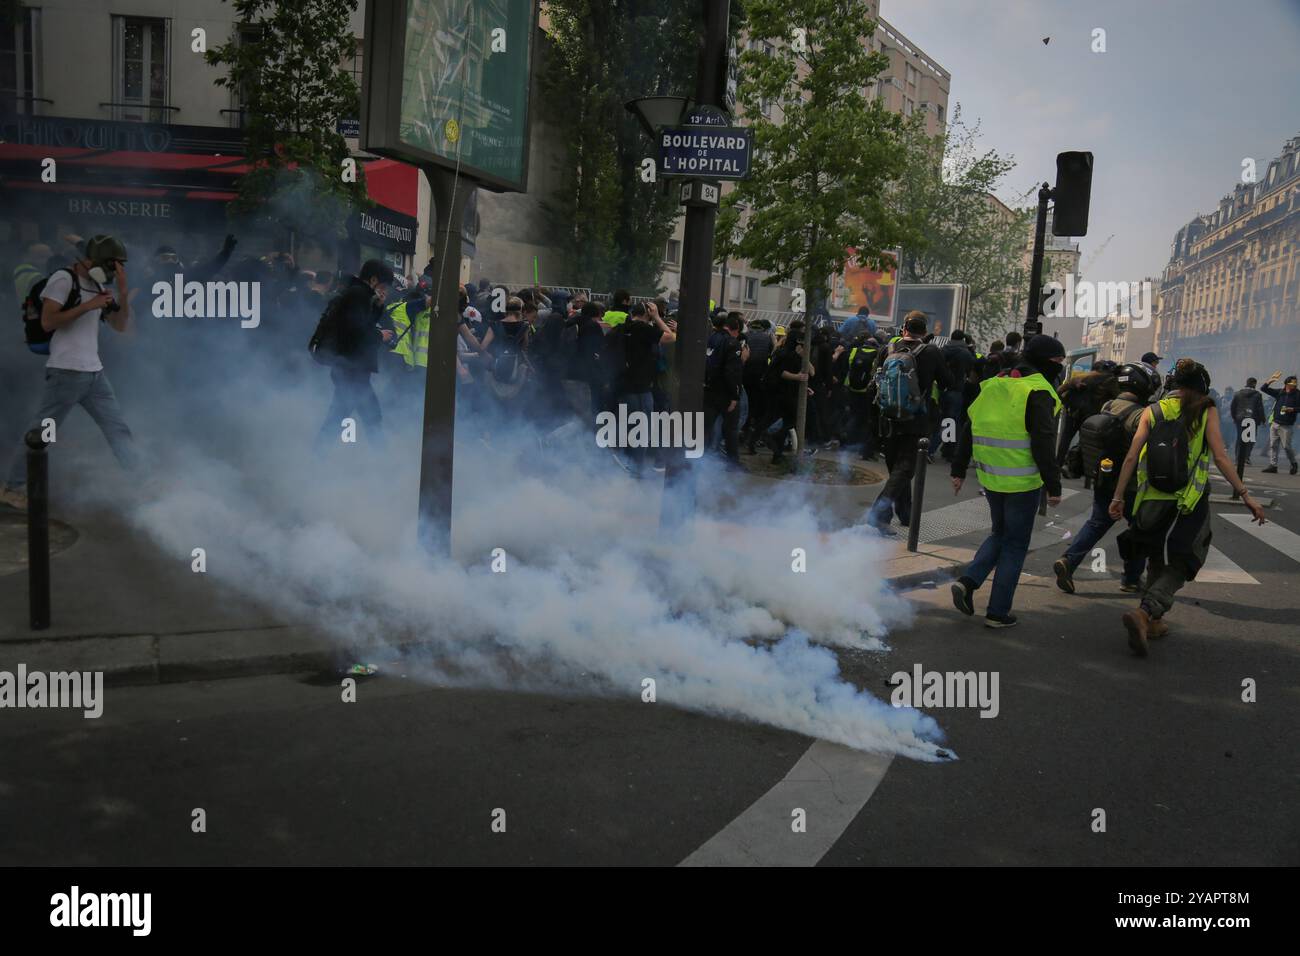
(446, 82)
(860, 285)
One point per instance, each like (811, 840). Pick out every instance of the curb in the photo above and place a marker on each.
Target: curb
(144, 659)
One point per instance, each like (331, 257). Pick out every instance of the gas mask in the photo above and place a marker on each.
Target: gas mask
(99, 274)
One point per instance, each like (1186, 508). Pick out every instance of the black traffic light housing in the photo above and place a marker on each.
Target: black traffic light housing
(1072, 193)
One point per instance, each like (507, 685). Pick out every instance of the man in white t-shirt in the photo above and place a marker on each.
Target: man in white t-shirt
(74, 375)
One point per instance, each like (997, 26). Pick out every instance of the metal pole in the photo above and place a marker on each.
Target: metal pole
(918, 493)
(437, 449)
(678, 504)
(1034, 308)
(38, 531)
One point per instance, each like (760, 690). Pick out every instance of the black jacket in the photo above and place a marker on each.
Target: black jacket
(930, 368)
(360, 318)
(1040, 422)
(724, 382)
(1248, 403)
(1286, 406)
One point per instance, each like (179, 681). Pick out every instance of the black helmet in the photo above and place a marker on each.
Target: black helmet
(1138, 379)
(1106, 365)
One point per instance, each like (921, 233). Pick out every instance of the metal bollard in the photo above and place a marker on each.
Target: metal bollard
(918, 493)
(38, 531)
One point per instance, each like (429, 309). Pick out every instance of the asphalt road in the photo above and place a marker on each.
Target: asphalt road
(287, 773)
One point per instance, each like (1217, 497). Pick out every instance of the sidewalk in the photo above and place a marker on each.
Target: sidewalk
(122, 607)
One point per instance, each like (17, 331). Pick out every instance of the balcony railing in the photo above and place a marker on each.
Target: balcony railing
(120, 111)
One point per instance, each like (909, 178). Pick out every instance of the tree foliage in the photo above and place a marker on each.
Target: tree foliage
(821, 173)
(286, 61)
(963, 235)
(612, 226)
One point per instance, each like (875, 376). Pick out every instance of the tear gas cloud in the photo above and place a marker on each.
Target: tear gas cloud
(593, 599)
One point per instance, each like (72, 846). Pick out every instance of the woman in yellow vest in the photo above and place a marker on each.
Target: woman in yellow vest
(1012, 437)
(1171, 528)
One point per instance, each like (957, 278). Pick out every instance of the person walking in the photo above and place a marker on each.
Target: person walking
(1170, 456)
(1011, 435)
(73, 302)
(1103, 447)
(1247, 406)
(1287, 402)
(907, 372)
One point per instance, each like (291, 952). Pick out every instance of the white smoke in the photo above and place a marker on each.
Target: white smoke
(593, 599)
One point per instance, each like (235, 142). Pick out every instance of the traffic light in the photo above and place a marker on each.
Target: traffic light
(1073, 189)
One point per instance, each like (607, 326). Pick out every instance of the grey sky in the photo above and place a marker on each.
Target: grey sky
(1185, 91)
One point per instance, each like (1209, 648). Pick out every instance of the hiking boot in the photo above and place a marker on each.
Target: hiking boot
(963, 597)
(1270, 470)
(1294, 467)
(1138, 624)
(1157, 628)
(1130, 587)
(1064, 575)
(1005, 620)
(13, 498)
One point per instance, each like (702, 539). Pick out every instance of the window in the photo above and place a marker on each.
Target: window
(733, 289)
(673, 253)
(751, 290)
(18, 63)
(239, 97)
(141, 69)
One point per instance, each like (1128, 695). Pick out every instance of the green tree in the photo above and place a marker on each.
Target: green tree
(285, 61)
(820, 175)
(609, 223)
(964, 235)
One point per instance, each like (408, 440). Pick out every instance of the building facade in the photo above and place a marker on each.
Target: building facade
(147, 147)
(1230, 294)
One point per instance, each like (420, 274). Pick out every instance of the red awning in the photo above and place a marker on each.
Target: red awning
(392, 184)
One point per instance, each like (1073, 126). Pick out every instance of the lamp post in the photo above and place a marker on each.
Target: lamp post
(697, 257)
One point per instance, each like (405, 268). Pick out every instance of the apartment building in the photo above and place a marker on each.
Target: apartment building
(146, 146)
(1230, 294)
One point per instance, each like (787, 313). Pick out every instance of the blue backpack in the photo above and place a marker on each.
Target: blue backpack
(898, 387)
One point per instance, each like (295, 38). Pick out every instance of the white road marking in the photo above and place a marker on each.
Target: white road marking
(1221, 569)
(830, 783)
(970, 514)
(1271, 534)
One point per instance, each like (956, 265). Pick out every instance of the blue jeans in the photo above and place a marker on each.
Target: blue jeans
(1093, 530)
(639, 402)
(64, 390)
(1003, 551)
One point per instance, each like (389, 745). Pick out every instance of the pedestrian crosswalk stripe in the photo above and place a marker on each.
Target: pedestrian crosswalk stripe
(963, 517)
(1221, 569)
(1273, 535)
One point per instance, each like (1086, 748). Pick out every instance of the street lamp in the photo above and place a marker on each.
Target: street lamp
(655, 112)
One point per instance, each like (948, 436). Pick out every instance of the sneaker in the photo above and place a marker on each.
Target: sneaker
(1064, 575)
(962, 595)
(1157, 628)
(1138, 625)
(993, 620)
(14, 499)
(1270, 470)
(1130, 587)
(884, 530)
(659, 469)
(1294, 467)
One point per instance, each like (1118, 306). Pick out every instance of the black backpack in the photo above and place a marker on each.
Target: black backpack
(1102, 436)
(1167, 454)
(38, 339)
(861, 361)
(324, 342)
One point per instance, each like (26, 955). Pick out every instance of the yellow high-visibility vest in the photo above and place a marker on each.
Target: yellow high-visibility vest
(1198, 462)
(1003, 457)
(412, 346)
